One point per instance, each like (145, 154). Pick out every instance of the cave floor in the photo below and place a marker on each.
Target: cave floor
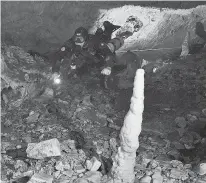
(86, 112)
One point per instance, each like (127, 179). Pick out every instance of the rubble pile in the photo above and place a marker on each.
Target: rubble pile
(73, 137)
(22, 76)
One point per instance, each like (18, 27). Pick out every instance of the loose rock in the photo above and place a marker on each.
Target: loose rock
(68, 173)
(145, 179)
(44, 149)
(57, 174)
(79, 169)
(40, 177)
(178, 145)
(8, 123)
(93, 164)
(181, 122)
(59, 166)
(178, 174)
(33, 117)
(174, 153)
(204, 112)
(93, 177)
(191, 118)
(176, 163)
(157, 177)
(154, 164)
(202, 169)
(81, 180)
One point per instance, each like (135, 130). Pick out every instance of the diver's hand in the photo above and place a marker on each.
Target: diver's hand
(54, 75)
(106, 71)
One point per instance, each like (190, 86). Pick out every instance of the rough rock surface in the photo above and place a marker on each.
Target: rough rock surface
(168, 152)
(80, 123)
(25, 75)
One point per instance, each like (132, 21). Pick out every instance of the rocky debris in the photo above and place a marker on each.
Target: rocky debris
(46, 95)
(8, 123)
(26, 77)
(44, 149)
(87, 101)
(114, 126)
(93, 164)
(178, 145)
(33, 117)
(202, 169)
(204, 112)
(82, 114)
(40, 177)
(157, 177)
(61, 166)
(181, 122)
(68, 173)
(201, 180)
(79, 169)
(179, 174)
(145, 179)
(81, 180)
(93, 176)
(191, 118)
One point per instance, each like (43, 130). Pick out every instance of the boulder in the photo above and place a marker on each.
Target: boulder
(157, 177)
(178, 174)
(93, 176)
(93, 165)
(41, 178)
(145, 179)
(44, 149)
(202, 169)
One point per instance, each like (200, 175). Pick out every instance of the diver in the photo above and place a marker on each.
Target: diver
(124, 70)
(73, 49)
(108, 51)
(83, 48)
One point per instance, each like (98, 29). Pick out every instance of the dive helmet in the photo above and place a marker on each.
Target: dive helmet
(80, 35)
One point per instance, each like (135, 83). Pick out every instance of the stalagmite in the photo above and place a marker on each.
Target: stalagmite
(185, 46)
(124, 161)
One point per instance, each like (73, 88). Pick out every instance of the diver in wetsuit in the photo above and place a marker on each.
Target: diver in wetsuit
(75, 48)
(108, 51)
(83, 48)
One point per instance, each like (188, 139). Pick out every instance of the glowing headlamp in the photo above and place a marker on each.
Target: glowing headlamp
(57, 79)
(73, 67)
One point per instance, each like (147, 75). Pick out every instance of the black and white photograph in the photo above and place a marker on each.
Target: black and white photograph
(103, 91)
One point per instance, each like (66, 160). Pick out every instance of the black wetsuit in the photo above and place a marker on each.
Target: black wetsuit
(74, 54)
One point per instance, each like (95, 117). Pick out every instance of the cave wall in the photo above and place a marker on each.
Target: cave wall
(45, 25)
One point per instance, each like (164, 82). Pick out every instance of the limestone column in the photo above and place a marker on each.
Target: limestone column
(124, 161)
(185, 45)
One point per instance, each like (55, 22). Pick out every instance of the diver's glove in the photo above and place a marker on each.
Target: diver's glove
(55, 75)
(106, 71)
